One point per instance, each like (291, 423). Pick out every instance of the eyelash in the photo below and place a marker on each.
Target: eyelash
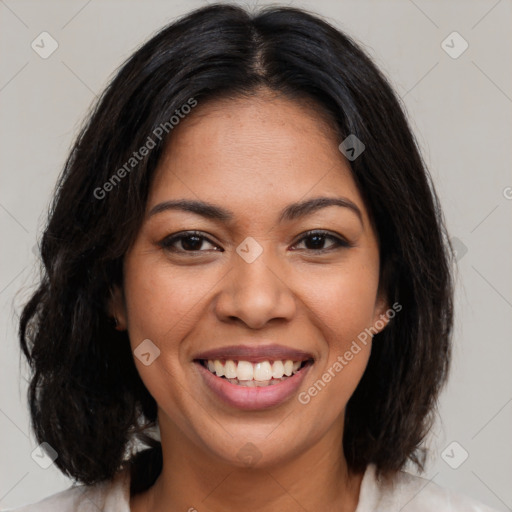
(168, 242)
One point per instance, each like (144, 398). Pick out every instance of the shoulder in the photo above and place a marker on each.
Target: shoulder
(410, 493)
(65, 501)
(111, 496)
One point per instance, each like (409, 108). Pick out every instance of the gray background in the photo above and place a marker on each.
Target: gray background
(460, 109)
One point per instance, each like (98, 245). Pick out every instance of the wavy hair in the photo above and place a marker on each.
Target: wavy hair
(86, 398)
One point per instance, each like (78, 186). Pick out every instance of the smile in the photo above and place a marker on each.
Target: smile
(252, 386)
(247, 374)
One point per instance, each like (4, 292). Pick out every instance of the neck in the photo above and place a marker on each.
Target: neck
(193, 479)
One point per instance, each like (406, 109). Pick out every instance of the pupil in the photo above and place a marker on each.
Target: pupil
(194, 246)
(319, 240)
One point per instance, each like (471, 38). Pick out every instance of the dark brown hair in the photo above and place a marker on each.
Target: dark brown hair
(86, 398)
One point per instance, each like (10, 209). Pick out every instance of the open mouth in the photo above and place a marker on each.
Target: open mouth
(259, 374)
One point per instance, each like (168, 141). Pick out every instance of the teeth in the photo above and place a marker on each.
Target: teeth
(262, 371)
(219, 368)
(277, 369)
(244, 371)
(244, 383)
(230, 369)
(255, 383)
(253, 374)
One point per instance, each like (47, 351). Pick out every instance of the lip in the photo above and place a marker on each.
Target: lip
(252, 398)
(255, 353)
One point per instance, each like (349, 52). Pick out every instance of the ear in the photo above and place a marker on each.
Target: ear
(381, 316)
(117, 308)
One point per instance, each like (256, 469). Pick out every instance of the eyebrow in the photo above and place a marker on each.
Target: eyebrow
(291, 212)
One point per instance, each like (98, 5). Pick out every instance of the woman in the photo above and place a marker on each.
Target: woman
(246, 255)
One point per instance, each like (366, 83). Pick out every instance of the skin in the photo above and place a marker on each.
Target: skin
(253, 156)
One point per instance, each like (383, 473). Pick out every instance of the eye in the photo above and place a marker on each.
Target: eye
(190, 241)
(315, 240)
(194, 241)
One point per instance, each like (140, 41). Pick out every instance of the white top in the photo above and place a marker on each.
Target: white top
(407, 493)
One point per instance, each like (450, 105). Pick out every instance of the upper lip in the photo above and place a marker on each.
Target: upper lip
(255, 353)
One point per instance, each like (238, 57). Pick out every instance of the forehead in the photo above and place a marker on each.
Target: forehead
(250, 151)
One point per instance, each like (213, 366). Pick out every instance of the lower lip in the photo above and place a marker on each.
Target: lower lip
(254, 397)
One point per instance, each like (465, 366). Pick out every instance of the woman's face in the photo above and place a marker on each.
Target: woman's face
(249, 287)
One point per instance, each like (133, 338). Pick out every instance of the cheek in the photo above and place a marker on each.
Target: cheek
(164, 303)
(161, 303)
(161, 306)
(343, 304)
(343, 301)
(350, 311)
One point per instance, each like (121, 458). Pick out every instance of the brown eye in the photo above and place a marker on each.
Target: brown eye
(315, 241)
(187, 242)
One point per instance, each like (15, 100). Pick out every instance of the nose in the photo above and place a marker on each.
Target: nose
(255, 293)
